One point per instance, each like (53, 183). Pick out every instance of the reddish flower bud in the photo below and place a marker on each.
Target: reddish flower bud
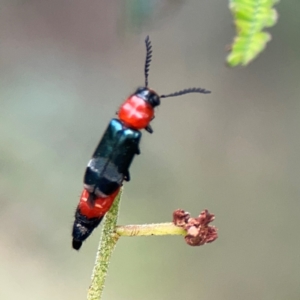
(199, 232)
(180, 217)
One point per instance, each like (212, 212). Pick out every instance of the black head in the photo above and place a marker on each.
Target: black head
(148, 95)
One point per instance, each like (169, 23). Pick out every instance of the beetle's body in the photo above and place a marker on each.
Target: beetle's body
(109, 165)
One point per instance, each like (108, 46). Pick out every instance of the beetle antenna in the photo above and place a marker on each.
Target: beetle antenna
(148, 58)
(187, 91)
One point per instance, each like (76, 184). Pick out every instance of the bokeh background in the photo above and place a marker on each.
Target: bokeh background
(66, 66)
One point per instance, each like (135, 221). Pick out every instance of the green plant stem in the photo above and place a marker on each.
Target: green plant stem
(150, 229)
(106, 246)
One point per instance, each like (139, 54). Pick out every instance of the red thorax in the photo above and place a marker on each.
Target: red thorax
(136, 113)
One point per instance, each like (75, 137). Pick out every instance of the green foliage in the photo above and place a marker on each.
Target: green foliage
(250, 18)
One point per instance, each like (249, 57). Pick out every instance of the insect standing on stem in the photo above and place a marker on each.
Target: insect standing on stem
(109, 165)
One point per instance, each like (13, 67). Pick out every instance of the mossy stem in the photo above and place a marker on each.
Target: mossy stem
(106, 246)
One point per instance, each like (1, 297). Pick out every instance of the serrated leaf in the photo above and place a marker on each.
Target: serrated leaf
(250, 18)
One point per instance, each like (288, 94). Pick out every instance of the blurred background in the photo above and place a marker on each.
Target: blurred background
(66, 66)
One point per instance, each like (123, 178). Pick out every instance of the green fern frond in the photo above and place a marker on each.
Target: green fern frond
(250, 18)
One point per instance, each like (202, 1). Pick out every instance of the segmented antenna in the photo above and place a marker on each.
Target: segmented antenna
(187, 91)
(148, 58)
